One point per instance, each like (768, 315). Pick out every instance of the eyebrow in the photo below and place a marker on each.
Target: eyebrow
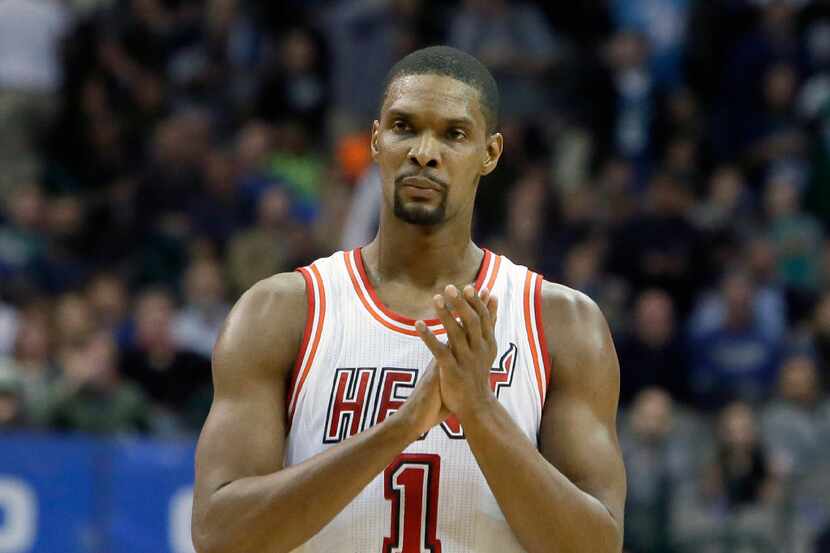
(453, 122)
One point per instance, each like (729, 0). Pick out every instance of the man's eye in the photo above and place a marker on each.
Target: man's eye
(457, 134)
(400, 126)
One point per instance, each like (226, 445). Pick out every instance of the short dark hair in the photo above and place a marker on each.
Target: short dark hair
(445, 60)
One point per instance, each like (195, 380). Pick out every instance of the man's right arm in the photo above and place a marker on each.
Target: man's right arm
(245, 501)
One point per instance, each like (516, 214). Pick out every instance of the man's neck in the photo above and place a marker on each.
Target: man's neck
(428, 258)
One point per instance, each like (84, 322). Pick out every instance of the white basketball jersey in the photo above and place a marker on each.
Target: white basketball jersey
(358, 363)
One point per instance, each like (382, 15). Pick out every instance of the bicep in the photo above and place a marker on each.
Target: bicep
(583, 446)
(578, 430)
(244, 434)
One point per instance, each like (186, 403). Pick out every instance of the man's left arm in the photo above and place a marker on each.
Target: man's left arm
(569, 495)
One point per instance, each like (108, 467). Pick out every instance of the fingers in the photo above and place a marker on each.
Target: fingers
(460, 302)
(479, 303)
(440, 352)
(493, 308)
(457, 338)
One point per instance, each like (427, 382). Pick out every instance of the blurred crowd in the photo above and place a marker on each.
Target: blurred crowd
(670, 158)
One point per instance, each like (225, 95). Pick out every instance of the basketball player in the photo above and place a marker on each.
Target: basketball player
(419, 394)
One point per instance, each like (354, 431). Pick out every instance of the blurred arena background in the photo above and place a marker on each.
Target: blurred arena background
(671, 158)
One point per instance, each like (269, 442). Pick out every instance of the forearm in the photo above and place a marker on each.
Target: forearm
(279, 511)
(543, 507)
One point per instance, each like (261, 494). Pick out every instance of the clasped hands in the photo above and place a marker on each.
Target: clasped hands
(457, 381)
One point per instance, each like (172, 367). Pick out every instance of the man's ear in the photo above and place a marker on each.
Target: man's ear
(374, 144)
(495, 146)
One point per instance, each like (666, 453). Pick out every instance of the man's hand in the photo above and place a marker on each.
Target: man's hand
(465, 360)
(424, 408)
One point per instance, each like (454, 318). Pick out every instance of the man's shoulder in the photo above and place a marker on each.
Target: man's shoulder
(266, 324)
(576, 333)
(279, 287)
(564, 305)
(281, 297)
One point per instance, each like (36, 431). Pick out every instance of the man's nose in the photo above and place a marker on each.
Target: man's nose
(425, 152)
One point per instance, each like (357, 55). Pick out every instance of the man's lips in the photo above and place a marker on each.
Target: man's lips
(422, 183)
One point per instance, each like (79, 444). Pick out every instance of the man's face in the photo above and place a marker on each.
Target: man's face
(432, 146)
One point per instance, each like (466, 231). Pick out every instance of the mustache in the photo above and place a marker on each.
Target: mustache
(399, 179)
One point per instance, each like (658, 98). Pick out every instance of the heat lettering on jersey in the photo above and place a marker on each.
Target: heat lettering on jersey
(350, 412)
(348, 404)
(392, 383)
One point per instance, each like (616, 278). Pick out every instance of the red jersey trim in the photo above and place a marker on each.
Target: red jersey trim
(532, 335)
(395, 321)
(314, 328)
(540, 330)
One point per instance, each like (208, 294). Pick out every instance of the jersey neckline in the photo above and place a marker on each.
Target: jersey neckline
(391, 319)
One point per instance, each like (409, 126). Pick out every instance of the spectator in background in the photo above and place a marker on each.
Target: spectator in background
(582, 271)
(618, 200)
(266, 248)
(726, 209)
(298, 166)
(735, 358)
(769, 298)
(32, 359)
(742, 96)
(664, 24)
(21, 234)
(60, 268)
(218, 64)
(578, 221)
(679, 115)
(682, 158)
(525, 216)
(790, 423)
(73, 320)
(657, 459)
(367, 38)
(177, 380)
(796, 235)
(90, 396)
(814, 108)
(658, 248)
(515, 41)
(735, 499)
(30, 77)
(173, 181)
(170, 186)
(770, 303)
(774, 135)
(626, 56)
(196, 325)
(742, 473)
(216, 210)
(12, 410)
(652, 354)
(107, 296)
(296, 86)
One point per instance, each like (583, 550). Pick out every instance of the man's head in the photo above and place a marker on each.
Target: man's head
(435, 136)
(654, 318)
(651, 415)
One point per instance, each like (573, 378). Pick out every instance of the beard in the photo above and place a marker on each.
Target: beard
(418, 214)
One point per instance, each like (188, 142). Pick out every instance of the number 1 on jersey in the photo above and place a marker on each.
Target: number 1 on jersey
(411, 484)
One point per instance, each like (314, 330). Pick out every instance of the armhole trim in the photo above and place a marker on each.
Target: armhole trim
(540, 331)
(530, 314)
(316, 296)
